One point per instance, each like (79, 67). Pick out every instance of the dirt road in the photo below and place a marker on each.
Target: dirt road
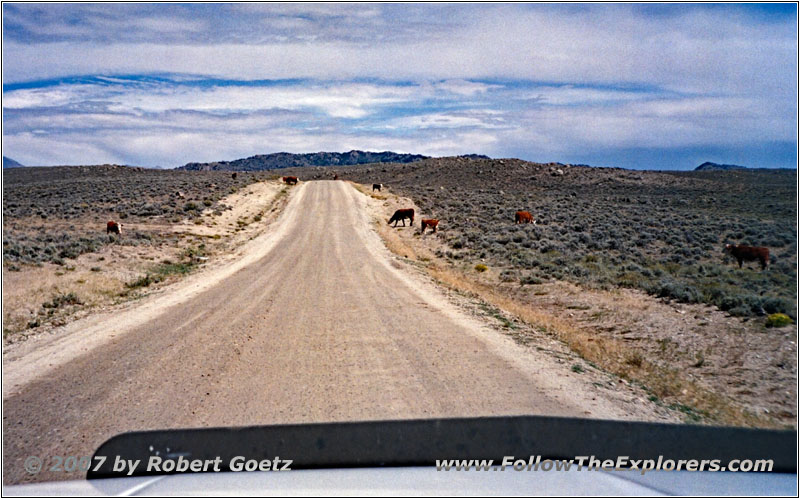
(314, 324)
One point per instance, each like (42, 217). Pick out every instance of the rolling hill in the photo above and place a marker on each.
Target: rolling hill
(709, 166)
(288, 160)
(10, 163)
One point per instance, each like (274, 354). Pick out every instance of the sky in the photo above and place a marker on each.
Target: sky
(651, 86)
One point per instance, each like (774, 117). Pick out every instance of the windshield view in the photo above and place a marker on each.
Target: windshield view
(240, 215)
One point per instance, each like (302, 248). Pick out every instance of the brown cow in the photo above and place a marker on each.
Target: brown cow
(233, 175)
(335, 176)
(523, 217)
(431, 222)
(290, 180)
(376, 187)
(401, 215)
(114, 227)
(749, 254)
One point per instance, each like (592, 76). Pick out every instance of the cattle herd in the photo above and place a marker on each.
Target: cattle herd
(740, 252)
(520, 217)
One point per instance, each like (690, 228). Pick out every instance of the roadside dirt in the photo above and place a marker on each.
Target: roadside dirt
(104, 278)
(710, 366)
(314, 320)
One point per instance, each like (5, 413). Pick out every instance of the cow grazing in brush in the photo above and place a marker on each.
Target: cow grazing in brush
(523, 217)
(234, 175)
(113, 227)
(744, 253)
(401, 215)
(376, 187)
(290, 180)
(431, 222)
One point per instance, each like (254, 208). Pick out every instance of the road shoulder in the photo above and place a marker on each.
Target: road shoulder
(26, 360)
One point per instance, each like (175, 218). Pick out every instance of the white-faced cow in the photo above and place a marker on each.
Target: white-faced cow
(523, 217)
(113, 227)
(429, 222)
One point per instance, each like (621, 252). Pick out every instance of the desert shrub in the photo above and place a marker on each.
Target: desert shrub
(61, 300)
(578, 271)
(481, 267)
(530, 279)
(168, 268)
(508, 275)
(778, 320)
(775, 304)
(54, 247)
(141, 282)
(148, 210)
(675, 290)
(634, 359)
(631, 279)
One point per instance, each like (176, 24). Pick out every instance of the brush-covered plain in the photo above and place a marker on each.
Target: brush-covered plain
(661, 232)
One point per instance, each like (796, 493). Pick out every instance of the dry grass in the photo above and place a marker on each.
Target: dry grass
(612, 355)
(670, 387)
(363, 189)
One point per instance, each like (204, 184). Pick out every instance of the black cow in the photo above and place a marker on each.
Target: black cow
(401, 215)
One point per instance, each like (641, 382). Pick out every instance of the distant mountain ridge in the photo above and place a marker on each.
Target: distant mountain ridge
(708, 165)
(288, 160)
(10, 163)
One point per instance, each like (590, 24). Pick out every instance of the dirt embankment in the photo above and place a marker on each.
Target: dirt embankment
(710, 366)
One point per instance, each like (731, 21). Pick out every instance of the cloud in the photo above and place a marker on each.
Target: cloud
(335, 99)
(464, 119)
(215, 79)
(157, 147)
(214, 118)
(172, 121)
(692, 50)
(465, 87)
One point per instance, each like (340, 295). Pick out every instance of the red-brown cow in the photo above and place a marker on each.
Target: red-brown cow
(290, 180)
(744, 253)
(113, 227)
(523, 217)
(429, 222)
(401, 215)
